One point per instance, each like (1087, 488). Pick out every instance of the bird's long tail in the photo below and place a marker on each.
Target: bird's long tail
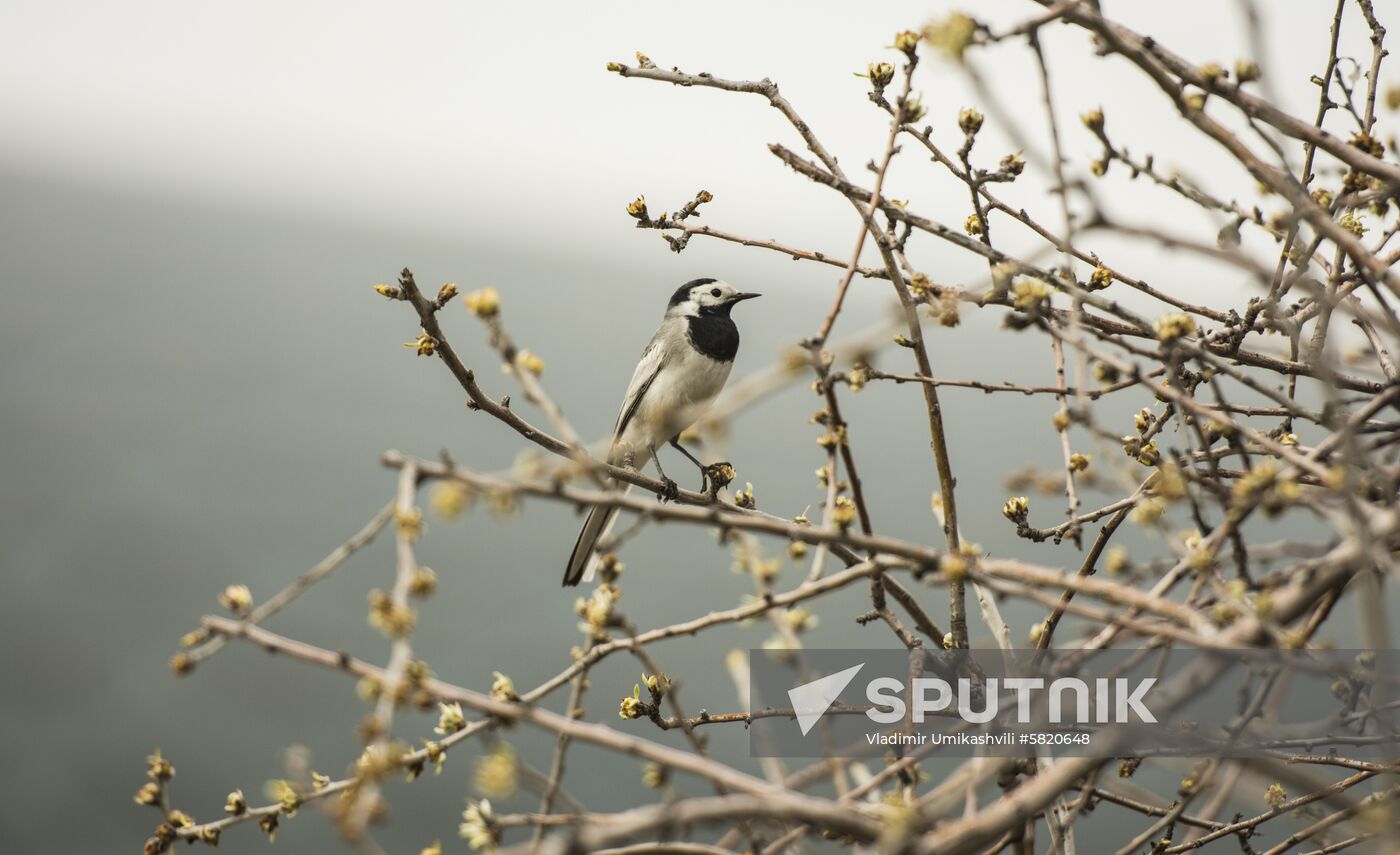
(583, 562)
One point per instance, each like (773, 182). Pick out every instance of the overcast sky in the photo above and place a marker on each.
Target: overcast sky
(500, 116)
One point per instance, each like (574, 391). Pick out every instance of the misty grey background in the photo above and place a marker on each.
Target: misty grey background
(196, 379)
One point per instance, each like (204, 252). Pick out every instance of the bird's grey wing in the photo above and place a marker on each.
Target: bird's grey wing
(652, 361)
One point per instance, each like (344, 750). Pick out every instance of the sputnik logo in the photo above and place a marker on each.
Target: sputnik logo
(810, 701)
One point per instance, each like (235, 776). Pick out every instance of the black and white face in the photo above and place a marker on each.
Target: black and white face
(706, 297)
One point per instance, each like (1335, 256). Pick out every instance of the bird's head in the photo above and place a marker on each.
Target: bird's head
(706, 297)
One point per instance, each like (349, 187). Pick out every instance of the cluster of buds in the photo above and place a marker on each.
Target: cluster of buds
(436, 754)
(502, 503)
(973, 225)
(237, 599)
(1030, 295)
(1268, 488)
(833, 438)
(413, 687)
(1200, 557)
(1079, 462)
(1352, 223)
(1230, 605)
(1012, 165)
(597, 610)
(390, 618)
(1168, 483)
(1107, 374)
(423, 583)
(235, 804)
(450, 719)
(1212, 72)
(970, 120)
(750, 560)
(1367, 143)
(637, 209)
(1117, 560)
(1145, 453)
(657, 684)
(955, 566)
(497, 774)
(907, 42)
(479, 826)
(951, 36)
(1017, 509)
(1148, 511)
(633, 706)
(880, 75)
(1215, 430)
(655, 776)
(843, 512)
(1173, 326)
(1191, 784)
(945, 310)
(179, 819)
(526, 360)
(408, 523)
(1247, 71)
(159, 769)
(445, 294)
(744, 498)
(287, 796)
(503, 688)
(423, 345)
(858, 376)
(610, 568)
(912, 109)
(800, 620)
(484, 302)
(1100, 279)
(450, 499)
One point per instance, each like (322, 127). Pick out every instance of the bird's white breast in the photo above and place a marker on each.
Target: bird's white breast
(685, 387)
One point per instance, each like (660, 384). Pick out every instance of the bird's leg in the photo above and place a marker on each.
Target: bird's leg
(676, 444)
(671, 491)
(713, 476)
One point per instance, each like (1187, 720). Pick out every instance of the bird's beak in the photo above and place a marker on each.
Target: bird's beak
(744, 295)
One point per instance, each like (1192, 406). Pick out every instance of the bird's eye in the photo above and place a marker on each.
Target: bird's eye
(714, 292)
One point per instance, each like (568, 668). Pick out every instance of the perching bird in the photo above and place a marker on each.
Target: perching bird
(682, 370)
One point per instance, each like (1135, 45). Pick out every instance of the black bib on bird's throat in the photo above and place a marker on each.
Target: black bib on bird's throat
(714, 334)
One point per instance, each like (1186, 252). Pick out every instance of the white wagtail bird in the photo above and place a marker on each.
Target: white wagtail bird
(682, 370)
